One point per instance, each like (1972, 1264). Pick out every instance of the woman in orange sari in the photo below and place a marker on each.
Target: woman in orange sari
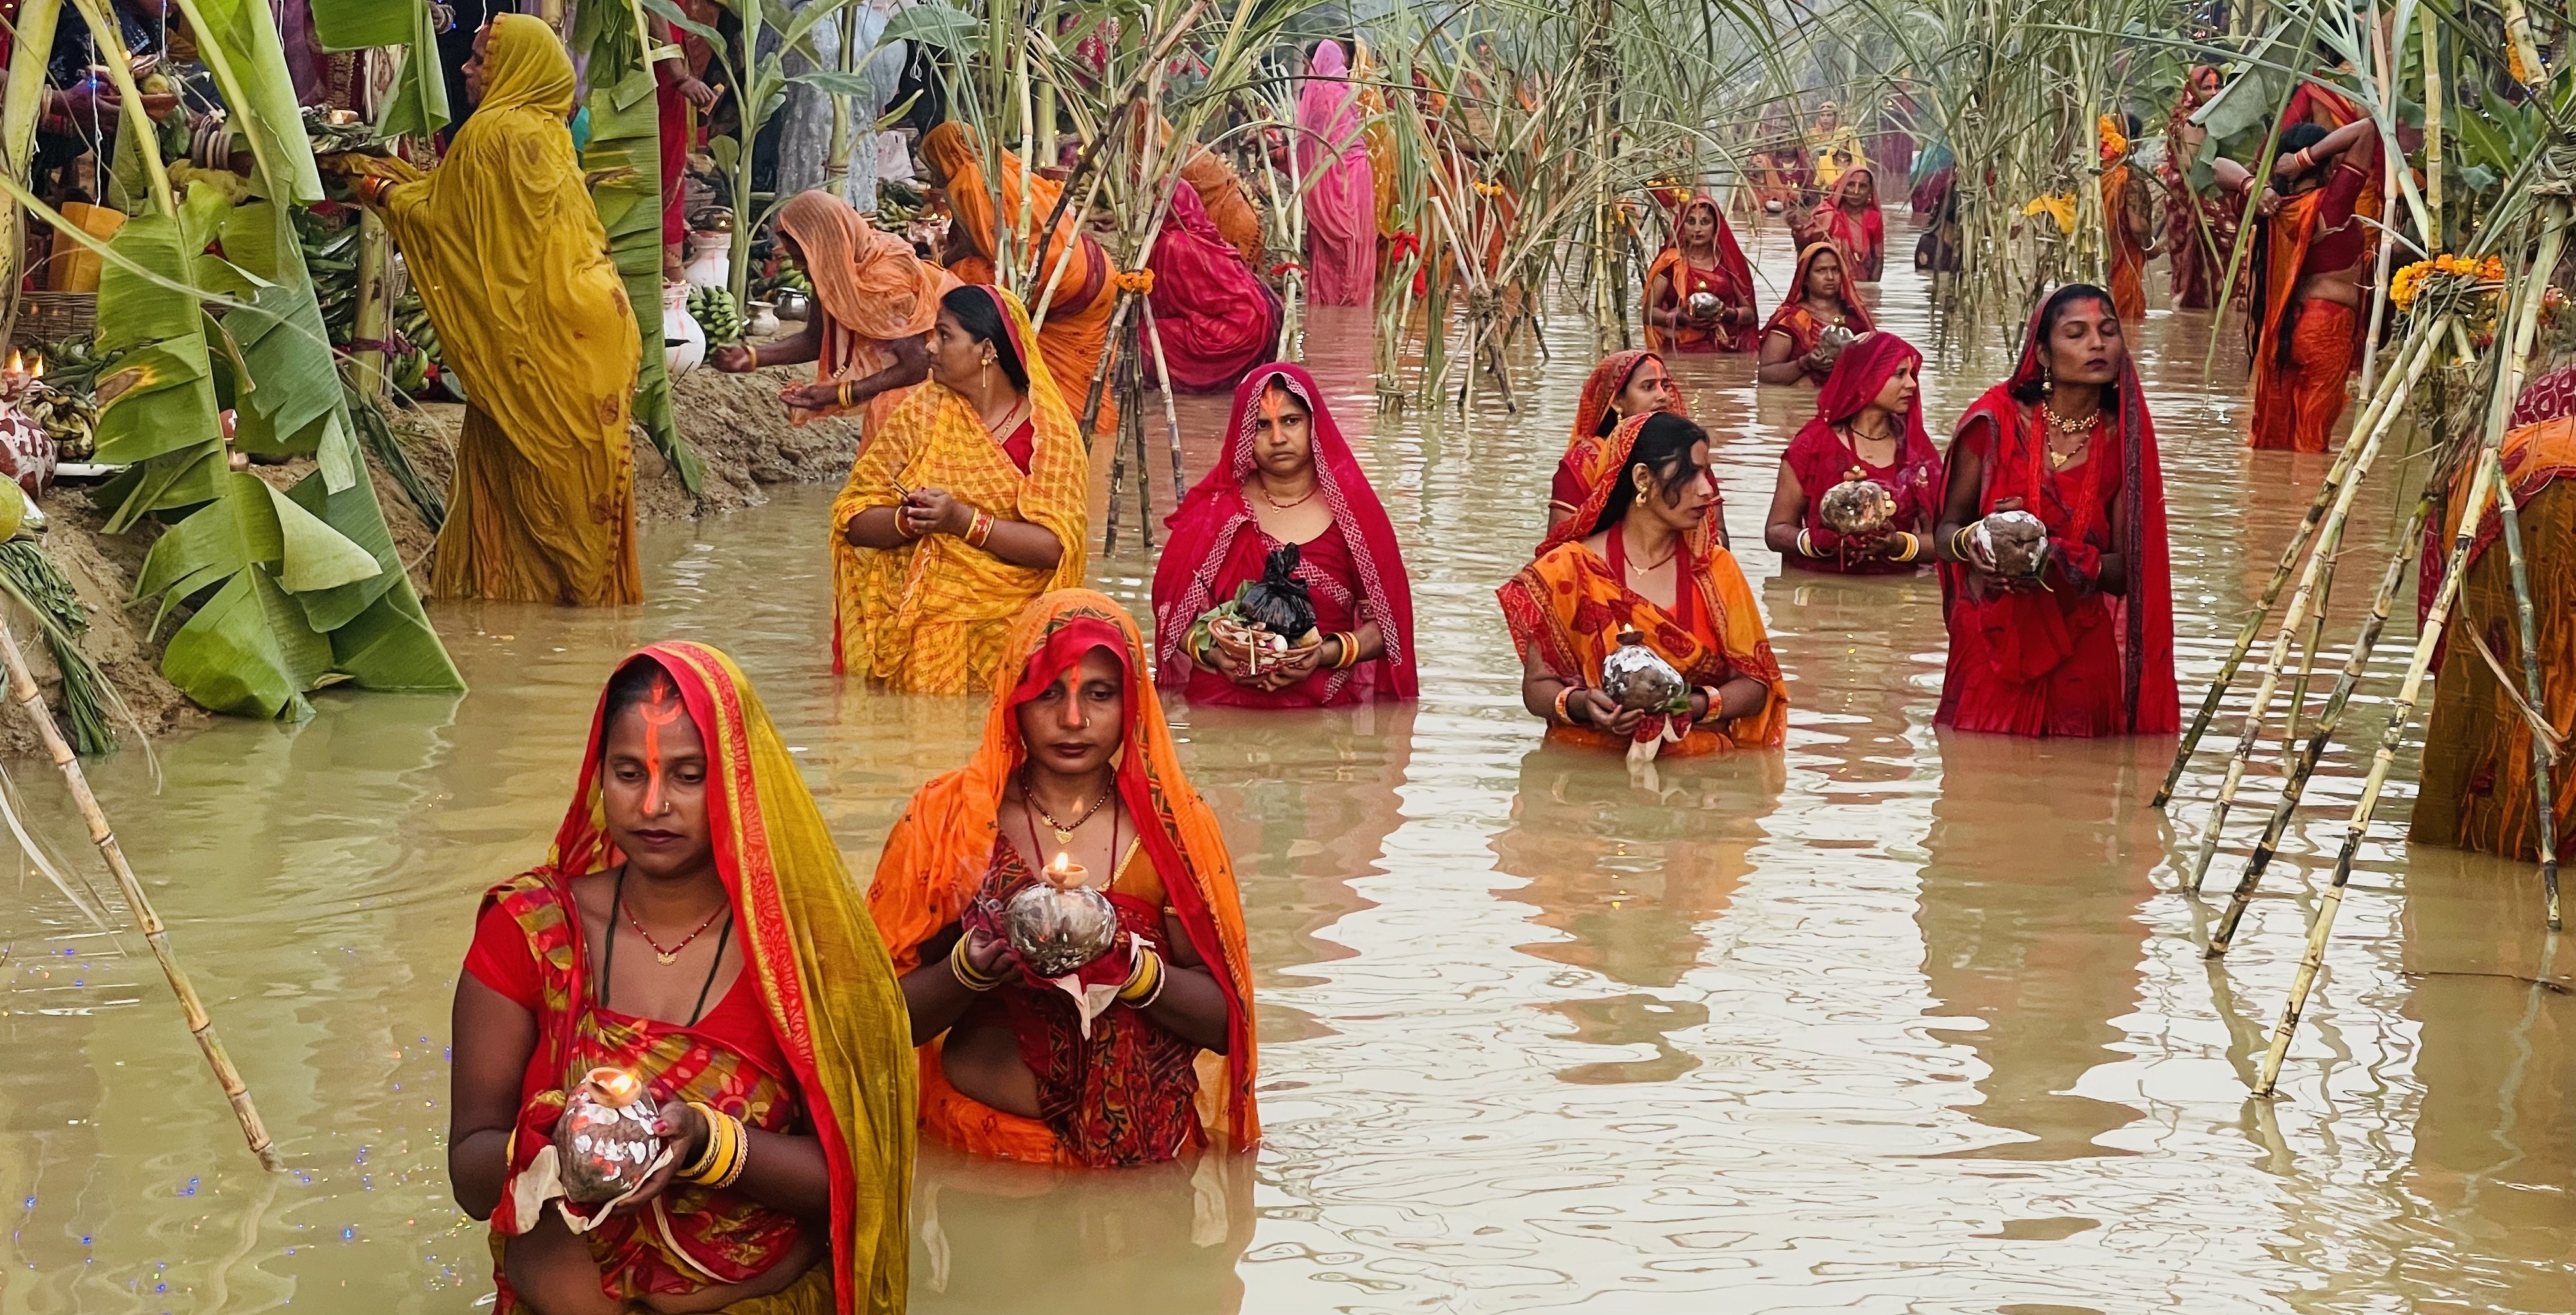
(2085, 647)
(875, 303)
(1076, 332)
(1794, 349)
(1641, 555)
(1703, 258)
(1141, 1055)
(694, 928)
(968, 505)
(1625, 384)
(2311, 269)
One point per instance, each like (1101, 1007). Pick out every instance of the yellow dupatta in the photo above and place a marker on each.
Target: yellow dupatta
(929, 617)
(511, 261)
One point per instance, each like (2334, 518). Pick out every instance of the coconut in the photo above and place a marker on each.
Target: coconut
(2015, 541)
(1857, 506)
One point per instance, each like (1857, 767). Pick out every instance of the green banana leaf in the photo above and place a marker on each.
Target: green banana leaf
(419, 100)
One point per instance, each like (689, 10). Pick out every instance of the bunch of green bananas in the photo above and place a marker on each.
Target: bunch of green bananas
(331, 256)
(409, 368)
(715, 312)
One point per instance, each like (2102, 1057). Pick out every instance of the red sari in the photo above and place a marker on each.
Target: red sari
(1821, 457)
(1595, 415)
(1215, 318)
(1354, 569)
(790, 1047)
(2069, 660)
(1731, 282)
(1861, 234)
(1800, 324)
(2303, 348)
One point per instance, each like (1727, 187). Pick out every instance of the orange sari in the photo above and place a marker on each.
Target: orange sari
(825, 988)
(938, 858)
(1075, 334)
(2128, 259)
(872, 290)
(1567, 608)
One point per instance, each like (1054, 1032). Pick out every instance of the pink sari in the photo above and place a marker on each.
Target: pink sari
(1341, 190)
(1217, 545)
(1215, 318)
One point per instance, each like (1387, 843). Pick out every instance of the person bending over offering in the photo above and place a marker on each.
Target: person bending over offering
(1625, 384)
(509, 257)
(968, 505)
(2311, 258)
(1795, 343)
(695, 928)
(1868, 427)
(1140, 1055)
(2085, 646)
(874, 302)
(1641, 555)
(1287, 477)
(1703, 259)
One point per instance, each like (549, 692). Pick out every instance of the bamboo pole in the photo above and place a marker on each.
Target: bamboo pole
(2473, 512)
(2329, 548)
(201, 1025)
(1171, 413)
(2385, 58)
(2336, 475)
(2433, 136)
(2544, 822)
(375, 308)
(2381, 418)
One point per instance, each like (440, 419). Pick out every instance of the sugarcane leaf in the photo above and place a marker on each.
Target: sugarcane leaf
(247, 652)
(931, 24)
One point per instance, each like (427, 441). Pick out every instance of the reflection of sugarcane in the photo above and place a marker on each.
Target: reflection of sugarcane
(2376, 423)
(2524, 319)
(31, 701)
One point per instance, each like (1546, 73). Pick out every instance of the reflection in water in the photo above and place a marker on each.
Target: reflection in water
(1531, 1039)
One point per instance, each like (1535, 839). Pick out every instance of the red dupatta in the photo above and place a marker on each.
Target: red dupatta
(2014, 444)
(843, 1029)
(1597, 413)
(1794, 319)
(1214, 318)
(1732, 280)
(1821, 458)
(1213, 518)
(1862, 237)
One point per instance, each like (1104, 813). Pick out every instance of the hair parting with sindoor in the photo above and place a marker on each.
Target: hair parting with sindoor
(2051, 313)
(981, 317)
(1663, 446)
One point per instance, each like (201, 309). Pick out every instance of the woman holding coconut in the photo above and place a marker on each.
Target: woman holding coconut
(2054, 575)
(1860, 485)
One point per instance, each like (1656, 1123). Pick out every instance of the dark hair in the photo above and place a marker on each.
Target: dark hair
(1663, 446)
(980, 315)
(1609, 420)
(642, 680)
(2299, 137)
(2051, 312)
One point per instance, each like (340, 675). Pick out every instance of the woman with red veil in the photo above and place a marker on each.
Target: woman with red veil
(1852, 221)
(1704, 258)
(2086, 647)
(1287, 477)
(1868, 426)
(1625, 384)
(1213, 317)
(1794, 349)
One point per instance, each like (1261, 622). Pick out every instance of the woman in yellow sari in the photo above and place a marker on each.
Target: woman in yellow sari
(1076, 332)
(1145, 1053)
(969, 503)
(693, 929)
(1641, 555)
(512, 264)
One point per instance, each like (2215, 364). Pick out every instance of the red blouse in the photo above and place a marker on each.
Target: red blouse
(500, 958)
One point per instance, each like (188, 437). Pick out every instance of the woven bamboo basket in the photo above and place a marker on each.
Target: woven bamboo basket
(50, 317)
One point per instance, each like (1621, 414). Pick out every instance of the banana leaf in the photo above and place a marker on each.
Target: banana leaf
(419, 100)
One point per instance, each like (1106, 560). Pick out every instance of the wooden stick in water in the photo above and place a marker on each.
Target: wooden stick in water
(31, 701)
(1171, 414)
(2329, 548)
(2544, 823)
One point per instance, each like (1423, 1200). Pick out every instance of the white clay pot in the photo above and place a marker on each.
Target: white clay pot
(710, 258)
(684, 343)
(763, 321)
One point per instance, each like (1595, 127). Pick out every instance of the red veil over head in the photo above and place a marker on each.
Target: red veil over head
(1594, 416)
(2143, 615)
(1855, 316)
(1205, 527)
(1820, 458)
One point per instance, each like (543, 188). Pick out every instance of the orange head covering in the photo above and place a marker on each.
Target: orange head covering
(867, 280)
(1595, 415)
(957, 153)
(937, 855)
(1855, 316)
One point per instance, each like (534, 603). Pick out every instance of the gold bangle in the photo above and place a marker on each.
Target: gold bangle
(721, 1162)
(1563, 714)
(844, 394)
(967, 974)
(1806, 546)
(751, 351)
(1913, 546)
(1959, 543)
(979, 529)
(1145, 980)
(706, 1152)
(741, 1154)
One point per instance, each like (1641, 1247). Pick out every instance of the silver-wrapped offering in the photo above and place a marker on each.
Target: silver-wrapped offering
(1635, 676)
(1857, 506)
(2015, 541)
(606, 1139)
(1059, 924)
(1705, 305)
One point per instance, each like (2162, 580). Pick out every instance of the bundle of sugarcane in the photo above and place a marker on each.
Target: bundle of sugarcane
(30, 577)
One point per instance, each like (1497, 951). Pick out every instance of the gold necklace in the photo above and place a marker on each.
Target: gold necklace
(1277, 505)
(671, 955)
(2059, 460)
(1063, 832)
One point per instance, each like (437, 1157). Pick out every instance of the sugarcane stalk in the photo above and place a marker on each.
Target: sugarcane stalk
(1131, 419)
(201, 1025)
(1117, 449)
(2329, 548)
(2433, 136)
(2526, 321)
(2328, 721)
(375, 309)
(1171, 414)
(2336, 476)
(2381, 419)
(2545, 821)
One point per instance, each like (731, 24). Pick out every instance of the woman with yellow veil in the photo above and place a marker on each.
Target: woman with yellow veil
(966, 505)
(512, 264)
(1076, 331)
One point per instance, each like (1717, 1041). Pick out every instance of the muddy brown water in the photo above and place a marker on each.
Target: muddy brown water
(1894, 1020)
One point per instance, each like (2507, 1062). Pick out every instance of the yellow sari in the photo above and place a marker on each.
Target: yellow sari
(930, 616)
(512, 263)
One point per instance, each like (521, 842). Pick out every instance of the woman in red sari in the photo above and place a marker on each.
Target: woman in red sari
(1793, 342)
(1641, 555)
(1851, 220)
(1704, 258)
(1868, 425)
(1287, 476)
(2086, 648)
(1625, 384)
(1145, 1053)
(1214, 317)
(694, 927)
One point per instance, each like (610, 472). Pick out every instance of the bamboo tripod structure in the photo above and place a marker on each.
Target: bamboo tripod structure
(31, 701)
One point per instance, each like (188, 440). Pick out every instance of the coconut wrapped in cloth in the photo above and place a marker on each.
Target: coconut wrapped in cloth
(1857, 505)
(2015, 541)
(1061, 923)
(1268, 621)
(607, 1140)
(1637, 677)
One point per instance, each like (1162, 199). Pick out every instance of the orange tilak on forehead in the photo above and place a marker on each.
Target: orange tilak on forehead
(660, 709)
(1274, 404)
